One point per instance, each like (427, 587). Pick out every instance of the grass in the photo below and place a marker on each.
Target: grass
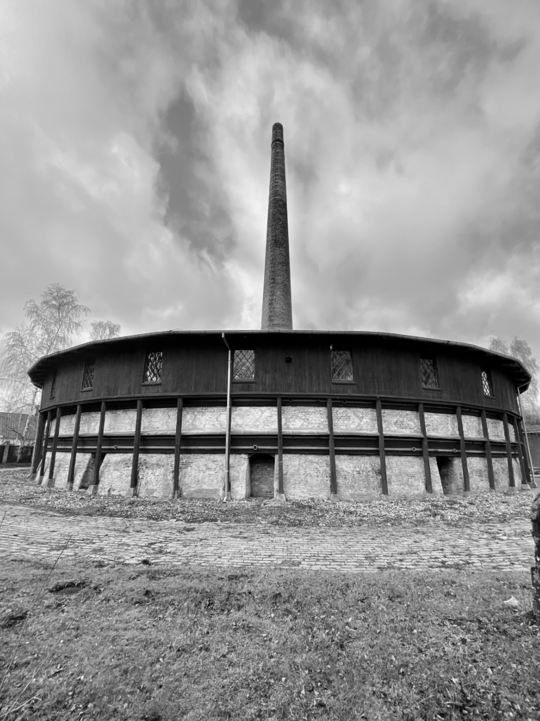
(117, 642)
(486, 508)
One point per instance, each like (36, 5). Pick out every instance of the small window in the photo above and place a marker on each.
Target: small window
(244, 365)
(487, 385)
(428, 369)
(88, 374)
(53, 385)
(341, 364)
(153, 366)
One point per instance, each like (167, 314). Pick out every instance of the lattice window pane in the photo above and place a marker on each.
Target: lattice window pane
(486, 383)
(342, 367)
(244, 365)
(153, 367)
(428, 368)
(88, 374)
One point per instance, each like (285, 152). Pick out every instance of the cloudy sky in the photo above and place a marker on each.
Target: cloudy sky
(135, 151)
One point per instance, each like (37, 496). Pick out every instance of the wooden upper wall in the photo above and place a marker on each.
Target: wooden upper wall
(197, 365)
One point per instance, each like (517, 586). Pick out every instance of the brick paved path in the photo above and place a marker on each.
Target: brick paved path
(29, 532)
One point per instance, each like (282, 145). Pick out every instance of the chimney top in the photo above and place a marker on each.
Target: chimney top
(277, 133)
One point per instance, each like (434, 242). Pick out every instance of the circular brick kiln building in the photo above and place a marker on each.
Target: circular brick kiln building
(277, 412)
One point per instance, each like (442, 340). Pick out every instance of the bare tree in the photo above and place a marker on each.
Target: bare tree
(521, 350)
(50, 327)
(104, 329)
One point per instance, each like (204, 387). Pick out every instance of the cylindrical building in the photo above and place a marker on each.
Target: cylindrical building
(277, 412)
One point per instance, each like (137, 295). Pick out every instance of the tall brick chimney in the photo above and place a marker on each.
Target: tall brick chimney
(277, 306)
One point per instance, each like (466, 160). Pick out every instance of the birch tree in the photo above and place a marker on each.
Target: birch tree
(51, 326)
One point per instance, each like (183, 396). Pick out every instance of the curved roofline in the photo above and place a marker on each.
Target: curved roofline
(520, 374)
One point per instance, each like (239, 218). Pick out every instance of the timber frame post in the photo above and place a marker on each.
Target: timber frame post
(382, 455)
(331, 450)
(281, 491)
(45, 443)
(511, 476)
(72, 460)
(487, 446)
(99, 444)
(425, 449)
(466, 479)
(177, 446)
(136, 449)
(50, 481)
(38, 447)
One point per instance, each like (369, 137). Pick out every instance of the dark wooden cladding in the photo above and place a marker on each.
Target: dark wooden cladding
(197, 365)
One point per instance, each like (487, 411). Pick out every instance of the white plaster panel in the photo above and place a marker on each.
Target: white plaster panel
(254, 419)
(517, 472)
(441, 424)
(202, 475)
(239, 476)
(158, 420)
(306, 476)
(358, 477)
(472, 426)
(89, 424)
(120, 421)
(67, 425)
(495, 429)
(478, 475)
(115, 474)
(304, 419)
(401, 422)
(435, 478)
(155, 475)
(204, 419)
(405, 475)
(83, 476)
(500, 472)
(354, 420)
(61, 468)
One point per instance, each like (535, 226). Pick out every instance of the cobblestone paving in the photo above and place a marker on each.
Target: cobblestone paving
(34, 533)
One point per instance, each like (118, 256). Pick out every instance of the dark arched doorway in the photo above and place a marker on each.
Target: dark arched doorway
(261, 475)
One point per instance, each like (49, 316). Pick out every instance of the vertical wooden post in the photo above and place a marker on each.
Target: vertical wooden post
(511, 476)
(54, 446)
(466, 480)
(136, 448)
(45, 442)
(382, 456)
(425, 449)
(71, 472)
(523, 449)
(489, 459)
(38, 447)
(177, 443)
(99, 444)
(331, 449)
(281, 491)
(522, 465)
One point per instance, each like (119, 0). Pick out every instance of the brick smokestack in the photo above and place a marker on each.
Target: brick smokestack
(277, 306)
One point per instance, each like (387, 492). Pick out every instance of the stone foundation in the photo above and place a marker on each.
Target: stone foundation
(306, 476)
(358, 477)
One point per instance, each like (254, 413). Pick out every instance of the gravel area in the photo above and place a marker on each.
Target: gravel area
(16, 488)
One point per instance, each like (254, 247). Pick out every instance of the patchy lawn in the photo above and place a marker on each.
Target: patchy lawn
(489, 508)
(110, 642)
